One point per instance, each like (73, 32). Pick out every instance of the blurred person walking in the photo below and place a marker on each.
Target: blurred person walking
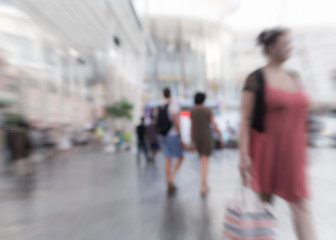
(64, 143)
(273, 132)
(168, 127)
(20, 147)
(142, 145)
(201, 134)
(49, 142)
(99, 132)
(118, 140)
(152, 138)
(35, 138)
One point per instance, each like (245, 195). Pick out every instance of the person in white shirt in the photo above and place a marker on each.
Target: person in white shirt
(170, 137)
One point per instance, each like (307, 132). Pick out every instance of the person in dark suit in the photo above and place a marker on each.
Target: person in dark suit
(142, 145)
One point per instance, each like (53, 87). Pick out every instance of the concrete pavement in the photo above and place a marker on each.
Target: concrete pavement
(95, 195)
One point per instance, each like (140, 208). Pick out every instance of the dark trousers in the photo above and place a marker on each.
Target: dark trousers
(142, 147)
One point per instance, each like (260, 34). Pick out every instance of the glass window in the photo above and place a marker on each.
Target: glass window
(31, 82)
(17, 47)
(13, 85)
(49, 54)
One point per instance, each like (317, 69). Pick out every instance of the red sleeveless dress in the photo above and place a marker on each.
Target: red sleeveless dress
(279, 153)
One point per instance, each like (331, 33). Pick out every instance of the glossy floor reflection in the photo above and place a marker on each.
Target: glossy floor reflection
(96, 195)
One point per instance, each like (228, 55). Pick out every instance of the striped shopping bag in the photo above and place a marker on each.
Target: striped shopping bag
(247, 218)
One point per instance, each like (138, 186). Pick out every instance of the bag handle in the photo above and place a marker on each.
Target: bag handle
(246, 180)
(245, 186)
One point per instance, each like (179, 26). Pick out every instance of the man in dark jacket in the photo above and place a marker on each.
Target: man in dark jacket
(19, 147)
(142, 146)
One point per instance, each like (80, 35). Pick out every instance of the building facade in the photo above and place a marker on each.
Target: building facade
(68, 68)
(46, 90)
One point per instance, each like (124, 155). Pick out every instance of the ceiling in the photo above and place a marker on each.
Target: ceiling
(196, 21)
(83, 23)
(213, 10)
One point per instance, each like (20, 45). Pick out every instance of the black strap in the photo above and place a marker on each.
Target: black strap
(259, 103)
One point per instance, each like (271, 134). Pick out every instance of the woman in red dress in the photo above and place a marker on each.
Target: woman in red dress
(273, 132)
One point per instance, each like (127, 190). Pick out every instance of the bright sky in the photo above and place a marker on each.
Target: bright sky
(265, 13)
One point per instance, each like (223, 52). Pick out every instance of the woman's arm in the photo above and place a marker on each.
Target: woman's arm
(247, 105)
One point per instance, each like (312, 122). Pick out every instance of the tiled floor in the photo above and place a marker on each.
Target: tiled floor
(98, 196)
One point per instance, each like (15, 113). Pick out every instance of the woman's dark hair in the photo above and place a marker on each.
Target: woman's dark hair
(166, 93)
(269, 37)
(199, 98)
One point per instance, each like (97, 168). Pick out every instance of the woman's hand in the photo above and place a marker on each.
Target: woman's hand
(192, 147)
(245, 165)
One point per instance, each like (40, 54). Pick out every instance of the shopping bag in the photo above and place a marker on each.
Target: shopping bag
(247, 218)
